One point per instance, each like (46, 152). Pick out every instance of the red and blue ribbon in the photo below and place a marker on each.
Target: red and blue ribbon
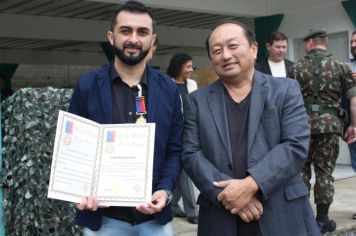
(140, 105)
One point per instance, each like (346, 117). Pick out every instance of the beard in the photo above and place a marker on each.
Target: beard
(353, 52)
(130, 60)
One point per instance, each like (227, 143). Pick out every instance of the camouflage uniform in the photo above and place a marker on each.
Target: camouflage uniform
(323, 80)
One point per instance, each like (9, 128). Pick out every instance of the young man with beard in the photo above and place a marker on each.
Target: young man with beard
(107, 96)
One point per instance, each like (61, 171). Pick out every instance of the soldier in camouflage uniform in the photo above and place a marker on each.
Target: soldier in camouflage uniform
(323, 80)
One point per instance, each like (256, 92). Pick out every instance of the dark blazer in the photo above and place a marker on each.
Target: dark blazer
(278, 138)
(92, 99)
(263, 66)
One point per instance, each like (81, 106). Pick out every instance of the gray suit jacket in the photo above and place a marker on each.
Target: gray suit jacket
(278, 138)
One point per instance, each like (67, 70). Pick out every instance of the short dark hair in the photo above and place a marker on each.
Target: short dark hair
(132, 7)
(176, 63)
(248, 33)
(354, 32)
(276, 36)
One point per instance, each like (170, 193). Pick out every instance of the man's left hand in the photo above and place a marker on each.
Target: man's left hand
(253, 211)
(237, 193)
(159, 201)
(350, 134)
(354, 75)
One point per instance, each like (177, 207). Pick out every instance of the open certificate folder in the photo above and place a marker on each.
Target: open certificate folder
(113, 162)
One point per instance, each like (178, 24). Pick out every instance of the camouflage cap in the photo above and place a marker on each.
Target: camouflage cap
(315, 34)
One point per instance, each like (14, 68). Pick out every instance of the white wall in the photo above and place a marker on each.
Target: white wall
(338, 45)
(331, 17)
(344, 154)
(289, 6)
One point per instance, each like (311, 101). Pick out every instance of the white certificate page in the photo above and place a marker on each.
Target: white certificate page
(74, 154)
(113, 162)
(126, 163)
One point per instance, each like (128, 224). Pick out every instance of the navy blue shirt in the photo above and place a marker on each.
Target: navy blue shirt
(124, 97)
(124, 111)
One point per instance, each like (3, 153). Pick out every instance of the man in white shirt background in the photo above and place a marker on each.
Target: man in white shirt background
(275, 64)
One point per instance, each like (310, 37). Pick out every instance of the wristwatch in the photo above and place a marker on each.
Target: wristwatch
(169, 194)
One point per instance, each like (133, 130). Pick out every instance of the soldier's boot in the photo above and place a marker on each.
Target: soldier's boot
(324, 223)
(326, 226)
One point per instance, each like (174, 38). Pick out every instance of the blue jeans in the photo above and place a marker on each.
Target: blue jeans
(352, 148)
(111, 227)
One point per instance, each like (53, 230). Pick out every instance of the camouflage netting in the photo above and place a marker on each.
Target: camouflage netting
(29, 125)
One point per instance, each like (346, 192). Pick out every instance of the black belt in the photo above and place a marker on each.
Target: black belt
(320, 109)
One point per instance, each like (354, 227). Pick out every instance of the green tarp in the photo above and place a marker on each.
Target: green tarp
(29, 123)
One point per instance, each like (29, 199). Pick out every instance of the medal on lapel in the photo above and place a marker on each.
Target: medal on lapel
(140, 106)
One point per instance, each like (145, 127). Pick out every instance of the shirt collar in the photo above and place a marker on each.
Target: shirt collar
(315, 50)
(114, 75)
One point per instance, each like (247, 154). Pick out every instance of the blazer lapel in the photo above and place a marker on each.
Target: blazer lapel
(218, 110)
(105, 94)
(258, 97)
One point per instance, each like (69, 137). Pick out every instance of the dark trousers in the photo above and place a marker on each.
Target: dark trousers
(184, 189)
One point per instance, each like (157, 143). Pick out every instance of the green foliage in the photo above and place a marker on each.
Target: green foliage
(29, 126)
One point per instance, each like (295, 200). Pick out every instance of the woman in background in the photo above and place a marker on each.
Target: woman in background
(180, 69)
